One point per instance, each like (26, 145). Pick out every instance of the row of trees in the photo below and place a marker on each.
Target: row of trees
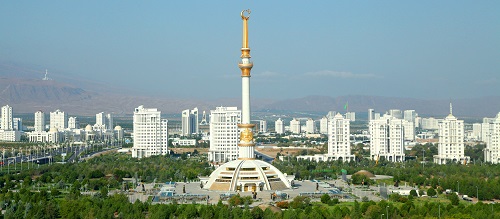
(107, 170)
(26, 204)
(474, 180)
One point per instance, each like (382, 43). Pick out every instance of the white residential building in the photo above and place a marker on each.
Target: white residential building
(295, 126)
(39, 121)
(418, 121)
(396, 113)
(150, 133)
(409, 130)
(10, 135)
(73, 122)
(351, 116)
(492, 140)
(263, 126)
(310, 126)
(224, 134)
(410, 115)
(59, 120)
(331, 114)
(103, 121)
(323, 125)
(486, 129)
(429, 123)
(279, 127)
(387, 139)
(190, 122)
(17, 124)
(451, 141)
(476, 131)
(371, 114)
(100, 120)
(339, 145)
(7, 121)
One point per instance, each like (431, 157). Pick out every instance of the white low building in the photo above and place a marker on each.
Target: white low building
(10, 136)
(183, 142)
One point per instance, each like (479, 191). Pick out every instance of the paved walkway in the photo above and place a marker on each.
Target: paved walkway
(262, 196)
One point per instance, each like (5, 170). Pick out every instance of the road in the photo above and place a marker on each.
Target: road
(265, 157)
(46, 155)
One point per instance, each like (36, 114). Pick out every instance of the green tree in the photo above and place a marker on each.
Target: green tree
(325, 199)
(453, 197)
(413, 193)
(431, 192)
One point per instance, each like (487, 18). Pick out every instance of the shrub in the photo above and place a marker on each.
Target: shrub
(431, 192)
(413, 193)
(325, 199)
(283, 204)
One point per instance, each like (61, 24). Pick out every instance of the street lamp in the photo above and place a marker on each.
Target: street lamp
(381, 216)
(439, 211)
(477, 193)
(458, 190)
(423, 158)
(387, 212)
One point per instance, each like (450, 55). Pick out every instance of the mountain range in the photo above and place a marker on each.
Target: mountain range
(27, 94)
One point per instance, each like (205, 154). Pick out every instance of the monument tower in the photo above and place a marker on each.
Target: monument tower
(246, 146)
(246, 173)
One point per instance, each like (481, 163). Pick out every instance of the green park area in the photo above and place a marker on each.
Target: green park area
(94, 188)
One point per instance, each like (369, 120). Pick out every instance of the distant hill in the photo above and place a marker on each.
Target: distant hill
(23, 89)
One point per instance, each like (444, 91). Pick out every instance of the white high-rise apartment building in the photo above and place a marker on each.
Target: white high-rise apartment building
(17, 124)
(295, 126)
(190, 122)
(339, 145)
(104, 121)
(410, 115)
(409, 130)
(476, 131)
(279, 127)
(58, 120)
(331, 114)
(224, 134)
(451, 141)
(418, 121)
(109, 120)
(73, 122)
(486, 129)
(387, 139)
(310, 126)
(7, 118)
(429, 123)
(323, 125)
(100, 120)
(263, 126)
(371, 114)
(150, 133)
(351, 116)
(492, 150)
(39, 121)
(396, 113)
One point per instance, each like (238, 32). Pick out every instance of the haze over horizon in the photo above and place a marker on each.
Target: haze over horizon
(424, 49)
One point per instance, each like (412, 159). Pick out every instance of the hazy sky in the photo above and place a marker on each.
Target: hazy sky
(423, 49)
